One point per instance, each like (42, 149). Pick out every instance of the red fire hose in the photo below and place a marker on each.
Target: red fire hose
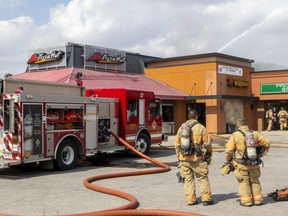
(126, 209)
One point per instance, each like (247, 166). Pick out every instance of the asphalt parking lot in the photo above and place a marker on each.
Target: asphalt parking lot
(31, 191)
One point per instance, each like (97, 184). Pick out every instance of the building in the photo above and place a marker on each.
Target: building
(100, 68)
(218, 87)
(271, 87)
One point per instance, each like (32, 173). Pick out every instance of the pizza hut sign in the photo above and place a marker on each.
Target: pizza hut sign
(107, 59)
(39, 58)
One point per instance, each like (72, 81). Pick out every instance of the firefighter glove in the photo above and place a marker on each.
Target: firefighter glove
(208, 157)
(179, 177)
(227, 168)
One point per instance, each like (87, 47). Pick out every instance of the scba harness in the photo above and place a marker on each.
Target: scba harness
(187, 146)
(251, 152)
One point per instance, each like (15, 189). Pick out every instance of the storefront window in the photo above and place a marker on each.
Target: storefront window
(167, 113)
(276, 107)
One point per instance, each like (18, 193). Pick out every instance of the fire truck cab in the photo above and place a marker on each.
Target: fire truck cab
(140, 118)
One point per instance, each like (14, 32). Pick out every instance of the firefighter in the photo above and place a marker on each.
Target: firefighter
(245, 147)
(270, 119)
(282, 115)
(192, 161)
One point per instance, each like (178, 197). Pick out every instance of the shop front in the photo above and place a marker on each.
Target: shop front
(272, 89)
(218, 86)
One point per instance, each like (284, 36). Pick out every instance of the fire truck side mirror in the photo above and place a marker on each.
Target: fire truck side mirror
(11, 116)
(149, 115)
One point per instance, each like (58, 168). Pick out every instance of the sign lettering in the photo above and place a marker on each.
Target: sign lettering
(107, 59)
(39, 58)
(274, 88)
(237, 83)
(222, 69)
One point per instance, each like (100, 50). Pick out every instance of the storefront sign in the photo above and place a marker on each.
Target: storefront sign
(107, 59)
(104, 58)
(237, 83)
(274, 88)
(52, 57)
(222, 69)
(39, 58)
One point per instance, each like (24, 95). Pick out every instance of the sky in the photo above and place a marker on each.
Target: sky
(255, 30)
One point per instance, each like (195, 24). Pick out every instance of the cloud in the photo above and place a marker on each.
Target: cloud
(14, 33)
(14, 40)
(249, 29)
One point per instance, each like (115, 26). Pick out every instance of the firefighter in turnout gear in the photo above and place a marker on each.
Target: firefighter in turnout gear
(245, 147)
(282, 115)
(270, 119)
(191, 138)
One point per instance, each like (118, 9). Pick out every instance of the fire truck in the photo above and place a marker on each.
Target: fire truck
(56, 124)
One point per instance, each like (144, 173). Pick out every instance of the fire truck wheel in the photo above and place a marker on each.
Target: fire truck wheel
(66, 155)
(143, 144)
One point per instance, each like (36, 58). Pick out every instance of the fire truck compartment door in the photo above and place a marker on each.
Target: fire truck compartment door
(141, 112)
(33, 147)
(91, 127)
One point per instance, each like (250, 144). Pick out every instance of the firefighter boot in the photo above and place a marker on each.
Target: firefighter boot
(207, 203)
(191, 200)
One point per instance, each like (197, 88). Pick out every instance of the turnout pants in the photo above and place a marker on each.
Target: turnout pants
(249, 185)
(199, 169)
(270, 124)
(283, 123)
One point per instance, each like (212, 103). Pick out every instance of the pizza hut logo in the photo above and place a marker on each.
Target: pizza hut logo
(39, 58)
(107, 59)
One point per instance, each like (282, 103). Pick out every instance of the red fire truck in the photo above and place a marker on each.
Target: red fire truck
(61, 124)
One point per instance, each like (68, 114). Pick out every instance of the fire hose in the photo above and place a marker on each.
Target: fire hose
(128, 209)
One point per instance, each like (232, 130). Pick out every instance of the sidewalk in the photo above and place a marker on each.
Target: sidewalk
(275, 137)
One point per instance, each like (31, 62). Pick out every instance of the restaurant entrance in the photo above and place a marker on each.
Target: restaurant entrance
(201, 109)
